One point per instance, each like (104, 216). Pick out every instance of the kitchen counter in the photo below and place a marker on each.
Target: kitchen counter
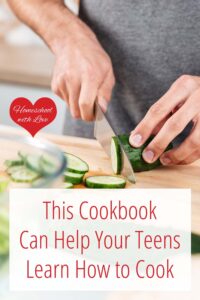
(26, 64)
(93, 154)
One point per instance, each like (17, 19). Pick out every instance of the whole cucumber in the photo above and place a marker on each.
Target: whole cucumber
(135, 154)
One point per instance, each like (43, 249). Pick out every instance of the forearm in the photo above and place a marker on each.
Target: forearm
(48, 18)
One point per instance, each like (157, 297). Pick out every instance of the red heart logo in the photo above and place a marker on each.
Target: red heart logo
(33, 117)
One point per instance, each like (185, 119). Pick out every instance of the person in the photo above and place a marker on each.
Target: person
(149, 48)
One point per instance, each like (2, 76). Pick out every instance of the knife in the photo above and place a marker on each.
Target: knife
(103, 132)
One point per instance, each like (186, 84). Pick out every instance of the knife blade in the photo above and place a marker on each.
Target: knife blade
(103, 132)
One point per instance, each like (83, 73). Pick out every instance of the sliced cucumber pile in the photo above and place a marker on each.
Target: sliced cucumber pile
(116, 155)
(105, 182)
(134, 154)
(32, 168)
(75, 164)
(76, 169)
(29, 168)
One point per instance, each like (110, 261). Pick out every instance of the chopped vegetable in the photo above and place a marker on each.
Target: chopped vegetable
(73, 178)
(116, 155)
(75, 164)
(33, 163)
(135, 154)
(13, 163)
(105, 182)
(47, 167)
(195, 243)
(68, 185)
(13, 169)
(24, 175)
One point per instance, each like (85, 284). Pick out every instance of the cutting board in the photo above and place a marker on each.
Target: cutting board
(163, 177)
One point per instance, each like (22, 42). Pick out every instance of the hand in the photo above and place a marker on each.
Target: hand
(83, 71)
(168, 117)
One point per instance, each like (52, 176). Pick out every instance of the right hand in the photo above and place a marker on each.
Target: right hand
(83, 71)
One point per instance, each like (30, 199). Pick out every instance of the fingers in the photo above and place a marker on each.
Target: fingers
(178, 93)
(74, 88)
(87, 99)
(190, 159)
(90, 91)
(173, 127)
(105, 91)
(187, 152)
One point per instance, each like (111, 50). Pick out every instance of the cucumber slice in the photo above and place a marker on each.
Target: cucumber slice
(14, 169)
(33, 163)
(116, 155)
(12, 163)
(40, 164)
(68, 185)
(73, 178)
(135, 154)
(24, 175)
(105, 182)
(47, 167)
(75, 164)
(22, 156)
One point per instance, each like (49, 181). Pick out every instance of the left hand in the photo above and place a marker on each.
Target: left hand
(168, 117)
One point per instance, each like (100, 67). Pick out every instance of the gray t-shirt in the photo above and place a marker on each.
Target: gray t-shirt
(151, 43)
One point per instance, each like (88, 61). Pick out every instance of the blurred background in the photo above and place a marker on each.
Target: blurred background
(25, 66)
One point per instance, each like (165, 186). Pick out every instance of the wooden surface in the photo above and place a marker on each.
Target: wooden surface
(26, 64)
(93, 154)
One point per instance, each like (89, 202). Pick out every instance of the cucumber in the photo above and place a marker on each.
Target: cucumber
(75, 164)
(40, 164)
(22, 155)
(105, 182)
(47, 167)
(13, 169)
(73, 178)
(135, 154)
(12, 163)
(116, 155)
(32, 162)
(68, 185)
(24, 175)
(195, 243)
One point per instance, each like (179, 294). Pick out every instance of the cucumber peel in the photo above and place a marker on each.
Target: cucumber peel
(116, 155)
(195, 243)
